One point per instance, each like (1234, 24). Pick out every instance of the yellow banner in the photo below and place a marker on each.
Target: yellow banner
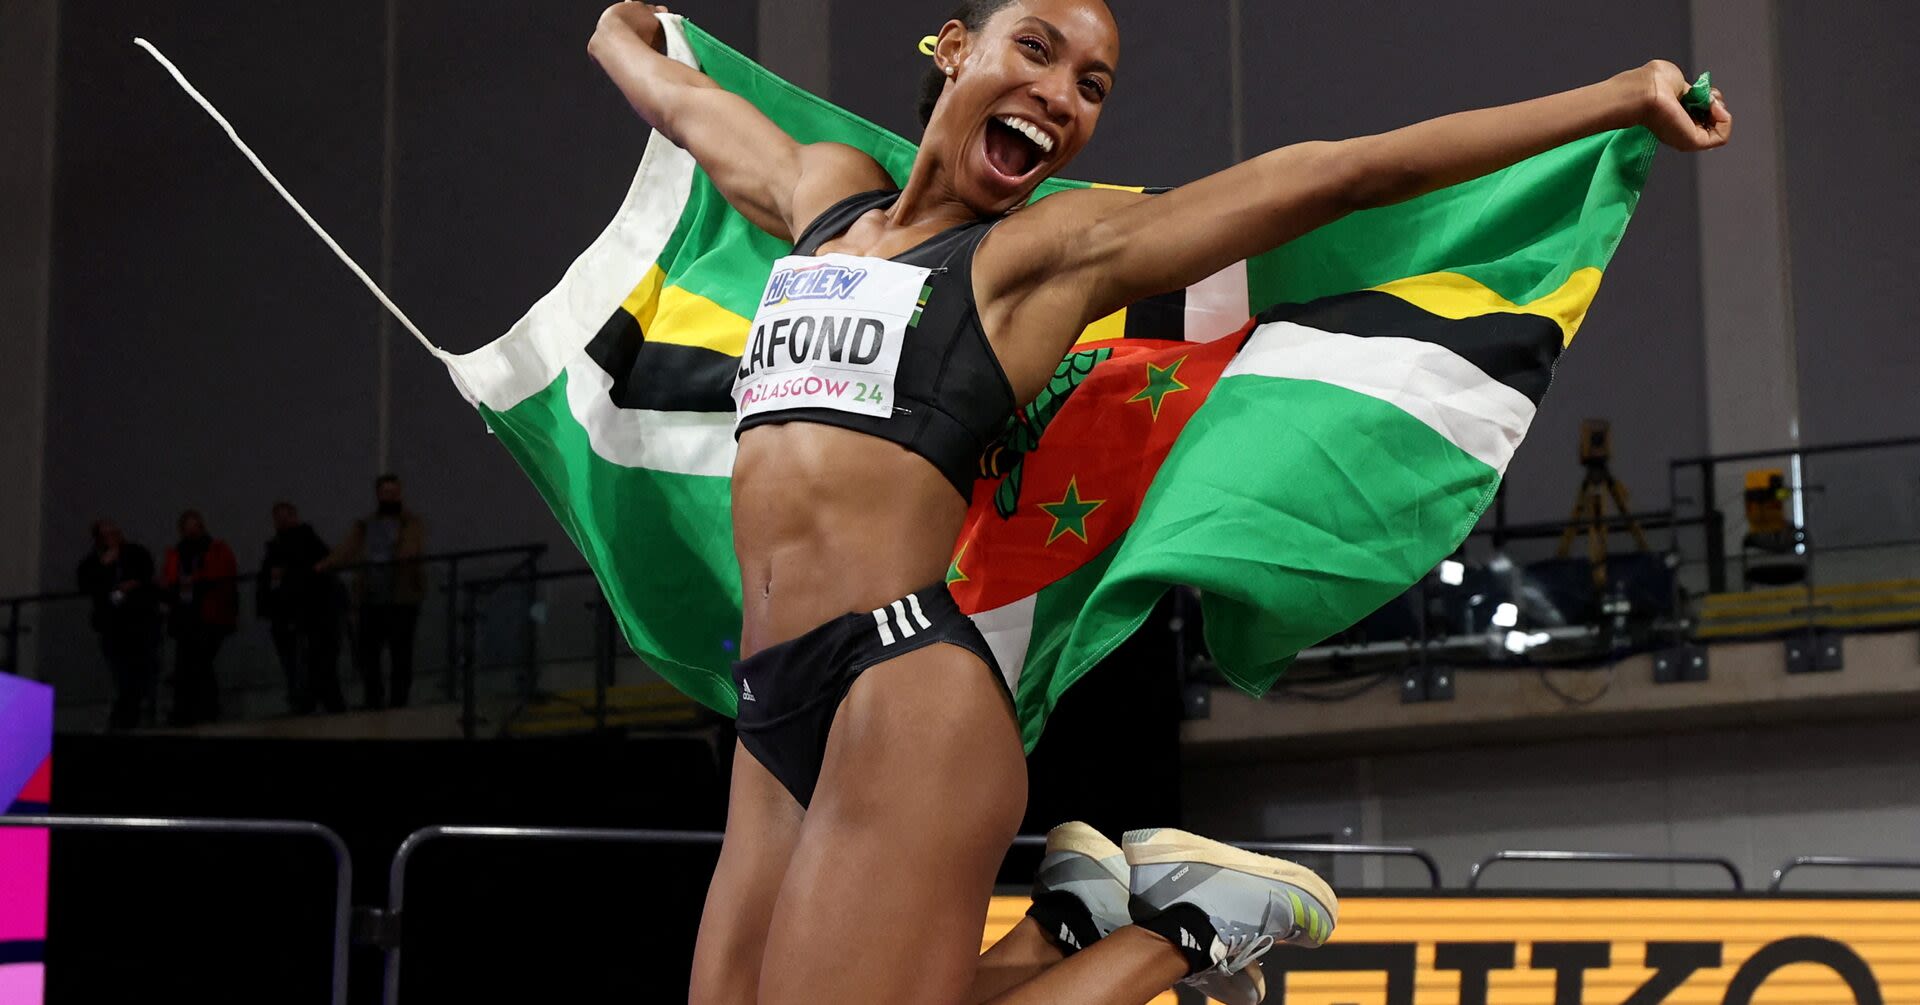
(1596, 951)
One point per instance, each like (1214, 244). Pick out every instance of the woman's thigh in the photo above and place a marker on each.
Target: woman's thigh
(763, 825)
(923, 789)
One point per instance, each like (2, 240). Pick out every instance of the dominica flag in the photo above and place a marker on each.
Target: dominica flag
(1300, 437)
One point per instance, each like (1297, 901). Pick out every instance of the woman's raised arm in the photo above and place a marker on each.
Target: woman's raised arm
(764, 173)
(1144, 246)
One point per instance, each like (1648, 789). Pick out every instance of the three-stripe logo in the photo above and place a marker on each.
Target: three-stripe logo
(898, 610)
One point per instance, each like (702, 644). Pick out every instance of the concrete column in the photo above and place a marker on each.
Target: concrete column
(796, 42)
(28, 32)
(1753, 396)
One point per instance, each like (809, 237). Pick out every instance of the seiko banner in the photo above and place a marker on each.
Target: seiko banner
(1484, 950)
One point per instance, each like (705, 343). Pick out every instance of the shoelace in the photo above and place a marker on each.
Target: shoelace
(1242, 950)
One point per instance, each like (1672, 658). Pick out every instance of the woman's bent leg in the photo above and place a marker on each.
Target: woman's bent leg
(1022, 954)
(1130, 967)
(922, 791)
(763, 824)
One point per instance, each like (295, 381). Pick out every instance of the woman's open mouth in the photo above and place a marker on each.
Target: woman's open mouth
(1015, 147)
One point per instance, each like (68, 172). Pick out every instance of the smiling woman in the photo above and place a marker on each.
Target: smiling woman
(1016, 145)
(1034, 97)
(880, 774)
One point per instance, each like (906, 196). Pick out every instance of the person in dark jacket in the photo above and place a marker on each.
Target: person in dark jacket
(389, 583)
(204, 604)
(302, 607)
(118, 575)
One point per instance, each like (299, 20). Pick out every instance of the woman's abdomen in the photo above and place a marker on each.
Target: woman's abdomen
(828, 521)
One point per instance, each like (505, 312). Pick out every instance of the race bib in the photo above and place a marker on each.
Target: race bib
(828, 334)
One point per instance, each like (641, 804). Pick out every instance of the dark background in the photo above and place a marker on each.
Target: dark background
(206, 350)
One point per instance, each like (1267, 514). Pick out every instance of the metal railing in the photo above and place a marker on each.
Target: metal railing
(390, 923)
(1799, 468)
(403, 857)
(383, 927)
(1838, 862)
(1854, 524)
(251, 677)
(1609, 857)
(342, 859)
(508, 633)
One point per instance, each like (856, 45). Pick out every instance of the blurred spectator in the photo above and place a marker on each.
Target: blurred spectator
(198, 580)
(302, 606)
(387, 589)
(118, 575)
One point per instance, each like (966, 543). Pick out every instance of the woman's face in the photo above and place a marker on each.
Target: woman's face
(1024, 97)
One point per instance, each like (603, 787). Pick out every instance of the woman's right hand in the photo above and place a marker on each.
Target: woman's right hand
(636, 17)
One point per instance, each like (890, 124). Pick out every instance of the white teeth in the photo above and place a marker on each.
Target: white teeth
(1030, 131)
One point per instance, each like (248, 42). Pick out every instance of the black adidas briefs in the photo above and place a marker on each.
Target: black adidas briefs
(789, 692)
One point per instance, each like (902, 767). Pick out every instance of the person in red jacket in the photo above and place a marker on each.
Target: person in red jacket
(197, 580)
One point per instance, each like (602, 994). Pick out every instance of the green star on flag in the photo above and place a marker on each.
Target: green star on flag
(1071, 512)
(954, 575)
(1161, 381)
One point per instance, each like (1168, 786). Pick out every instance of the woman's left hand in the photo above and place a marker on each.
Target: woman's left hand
(1661, 85)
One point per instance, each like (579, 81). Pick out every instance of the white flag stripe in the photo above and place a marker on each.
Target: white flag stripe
(1009, 631)
(900, 618)
(1446, 393)
(886, 633)
(913, 601)
(681, 443)
(1217, 305)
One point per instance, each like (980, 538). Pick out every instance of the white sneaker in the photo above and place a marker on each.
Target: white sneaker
(1253, 902)
(1081, 861)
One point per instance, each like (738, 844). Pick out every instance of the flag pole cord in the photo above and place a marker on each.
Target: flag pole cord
(261, 167)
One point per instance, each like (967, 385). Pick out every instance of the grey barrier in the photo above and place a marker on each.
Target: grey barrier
(1732, 871)
(342, 859)
(382, 928)
(385, 928)
(1837, 862)
(386, 925)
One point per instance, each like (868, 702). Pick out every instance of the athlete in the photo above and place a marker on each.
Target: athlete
(880, 774)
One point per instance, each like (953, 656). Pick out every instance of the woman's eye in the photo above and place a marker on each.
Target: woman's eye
(1094, 90)
(1034, 45)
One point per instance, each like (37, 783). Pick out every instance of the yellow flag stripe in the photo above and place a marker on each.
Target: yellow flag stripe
(1452, 295)
(670, 315)
(645, 298)
(690, 319)
(1110, 327)
(673, 316)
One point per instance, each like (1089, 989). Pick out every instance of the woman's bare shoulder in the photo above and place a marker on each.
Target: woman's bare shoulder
(1035, 240)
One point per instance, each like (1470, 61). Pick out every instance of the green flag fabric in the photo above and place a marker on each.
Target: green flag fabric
(1301, 437)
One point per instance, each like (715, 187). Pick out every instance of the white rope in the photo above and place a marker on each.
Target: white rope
(373, 287)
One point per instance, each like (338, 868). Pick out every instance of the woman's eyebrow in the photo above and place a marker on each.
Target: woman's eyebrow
(1059, 39)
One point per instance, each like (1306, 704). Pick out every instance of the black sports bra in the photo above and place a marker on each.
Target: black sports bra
(950, 398)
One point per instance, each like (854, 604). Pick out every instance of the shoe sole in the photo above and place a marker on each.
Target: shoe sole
(1166, 845)
(1079, 839)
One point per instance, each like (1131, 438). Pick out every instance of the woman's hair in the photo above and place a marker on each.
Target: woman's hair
(974, 14)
